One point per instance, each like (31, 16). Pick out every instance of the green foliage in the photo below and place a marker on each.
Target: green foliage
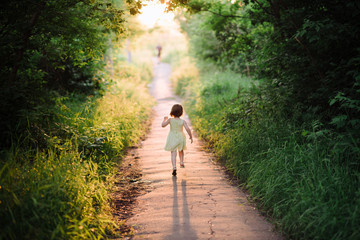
(65, 121)
(306, 50)
(183, 75)
(203, 42)
(50, 48)
(311, 193)
(59, 189)
(306, 177)
(57, 196)
(294, 139)
(223, 32)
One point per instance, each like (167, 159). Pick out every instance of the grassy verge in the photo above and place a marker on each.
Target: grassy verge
(61, 191)
(300, 174)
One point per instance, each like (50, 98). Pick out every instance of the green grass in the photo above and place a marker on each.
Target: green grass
(299, 174)
(307, 189)
(62, 191)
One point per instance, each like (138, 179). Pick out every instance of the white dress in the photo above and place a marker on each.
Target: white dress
(176, 139)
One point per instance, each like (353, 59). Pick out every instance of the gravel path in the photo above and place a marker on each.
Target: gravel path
(197, 204)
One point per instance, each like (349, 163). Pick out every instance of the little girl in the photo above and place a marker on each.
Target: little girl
(176, 140)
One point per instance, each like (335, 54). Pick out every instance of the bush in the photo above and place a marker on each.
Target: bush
(297, 172)
(60, 190)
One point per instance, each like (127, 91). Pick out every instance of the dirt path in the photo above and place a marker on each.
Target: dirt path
(197, 204)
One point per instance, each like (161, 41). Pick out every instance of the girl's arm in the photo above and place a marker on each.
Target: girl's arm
(165, 122)
(188, 131)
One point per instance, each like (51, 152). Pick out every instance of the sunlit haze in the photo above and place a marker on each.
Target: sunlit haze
(154, 14)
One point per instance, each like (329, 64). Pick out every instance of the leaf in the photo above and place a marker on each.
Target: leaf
(304, 133)
(339, 121)
(333, 101)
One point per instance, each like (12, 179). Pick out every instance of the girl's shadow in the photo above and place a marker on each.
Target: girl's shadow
(181, 228)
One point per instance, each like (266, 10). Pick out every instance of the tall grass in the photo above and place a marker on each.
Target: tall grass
(307, 190)
(61, 191)
(298, 173)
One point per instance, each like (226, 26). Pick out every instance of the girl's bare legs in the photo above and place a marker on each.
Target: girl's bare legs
(181, 156)
(173, 159)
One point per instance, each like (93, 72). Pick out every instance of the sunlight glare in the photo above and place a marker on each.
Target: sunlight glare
(154, 14)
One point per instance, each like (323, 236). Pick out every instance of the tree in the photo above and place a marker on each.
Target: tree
(50, 48)
(307, 51)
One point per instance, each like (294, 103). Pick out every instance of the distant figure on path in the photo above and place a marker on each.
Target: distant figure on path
(176, 139)
(159, 48)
